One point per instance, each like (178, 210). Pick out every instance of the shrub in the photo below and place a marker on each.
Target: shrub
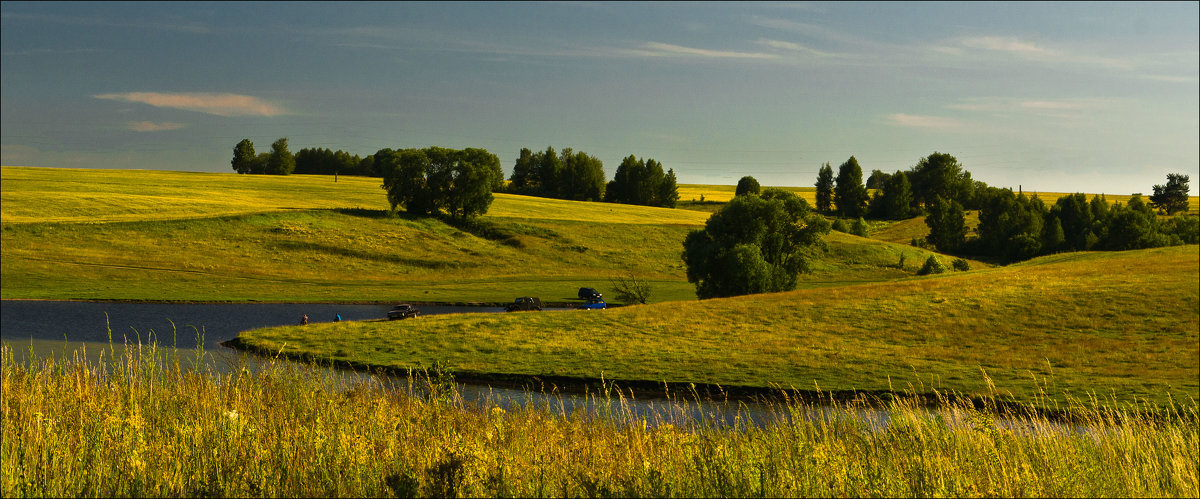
(932, 266)
(859, 227)
(961, 265)
(840, 226)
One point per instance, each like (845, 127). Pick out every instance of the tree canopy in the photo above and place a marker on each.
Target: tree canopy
(754, 244)
(849, 194)
(438, 180)
(1172, 197)
(642, 182)
(747, 185)
(825, 189)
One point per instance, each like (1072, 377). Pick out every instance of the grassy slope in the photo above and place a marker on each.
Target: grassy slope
(227, 237)
(1125, 322)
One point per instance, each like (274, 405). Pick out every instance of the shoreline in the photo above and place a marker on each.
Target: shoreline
(480, 304)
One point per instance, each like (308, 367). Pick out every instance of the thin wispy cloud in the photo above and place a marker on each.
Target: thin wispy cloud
(208, 103)
(150, 126)
(656, 49)
(791, 47)
(1034, 106)
(924, 122)
(1028, 51)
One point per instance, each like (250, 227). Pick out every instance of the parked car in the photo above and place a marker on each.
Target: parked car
(593, 304)
(403, 311)
(524, 303)
(589, 294)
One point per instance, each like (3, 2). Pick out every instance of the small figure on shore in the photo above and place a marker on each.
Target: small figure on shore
(337, 317)
(304, 320)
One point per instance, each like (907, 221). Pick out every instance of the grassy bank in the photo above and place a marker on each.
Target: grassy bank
(137, 428)
(1124, 321)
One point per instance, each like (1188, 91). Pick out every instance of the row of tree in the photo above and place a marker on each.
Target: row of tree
(642, 182)
(323, 161)
(899, 195)
(569, 174)
(579, 176)
(1015, 227)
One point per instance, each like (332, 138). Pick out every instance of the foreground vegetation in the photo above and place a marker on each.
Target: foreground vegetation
(140, 427)
(1124, 321)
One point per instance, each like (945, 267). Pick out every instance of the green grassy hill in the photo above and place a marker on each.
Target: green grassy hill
(157, 235)
(1114, 324)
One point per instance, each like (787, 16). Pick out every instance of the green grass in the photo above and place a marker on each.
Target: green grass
(138, 427)
(1124, 322)
(149, 235)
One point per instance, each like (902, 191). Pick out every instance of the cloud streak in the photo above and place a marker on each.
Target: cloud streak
(226, 105)
(150, 126)
(924, 122)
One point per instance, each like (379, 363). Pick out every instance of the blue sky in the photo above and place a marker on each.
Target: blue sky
(1066, 97)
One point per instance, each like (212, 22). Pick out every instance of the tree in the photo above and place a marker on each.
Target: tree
(894, 200)
(281, 161)
(548, 172)
(244, 157)
(877, 179)
(438, 180)
(667, 193)
(947, 225)
(524, 177)
(754, 244)
(630, 289)
(939, 174)
(849, 194)
(825, 189)
(747, 185)
(1172, 197)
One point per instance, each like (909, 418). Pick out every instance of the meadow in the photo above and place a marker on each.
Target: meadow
(1119, 322)
(175, 236)
(1106, 340)
(136, 427)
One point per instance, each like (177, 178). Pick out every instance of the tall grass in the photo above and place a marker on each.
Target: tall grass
(138, 426)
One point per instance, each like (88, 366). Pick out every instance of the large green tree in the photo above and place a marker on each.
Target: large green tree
(825, 189)
(437, 180)
(940, 174)
(848, 193)
(1172, 197)
(754, 244)
(244, 157)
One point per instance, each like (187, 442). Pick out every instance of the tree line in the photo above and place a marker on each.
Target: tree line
(569, 174)
(1011, 225)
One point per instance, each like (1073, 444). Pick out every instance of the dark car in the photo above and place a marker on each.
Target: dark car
(589, 294)
(402, 312)
(524, 303)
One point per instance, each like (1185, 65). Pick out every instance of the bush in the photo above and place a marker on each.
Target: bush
(961, 265)
(932, 266)
(859, 227)
(840, 226)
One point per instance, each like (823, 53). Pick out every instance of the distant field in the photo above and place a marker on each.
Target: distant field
(228, 237)
(1122, 324)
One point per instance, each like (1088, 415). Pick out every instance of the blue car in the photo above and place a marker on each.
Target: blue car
(594, 304)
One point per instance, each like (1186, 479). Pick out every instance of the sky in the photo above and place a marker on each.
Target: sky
(1052, 97)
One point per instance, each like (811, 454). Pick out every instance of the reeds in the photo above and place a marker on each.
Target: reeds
(145, 425)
